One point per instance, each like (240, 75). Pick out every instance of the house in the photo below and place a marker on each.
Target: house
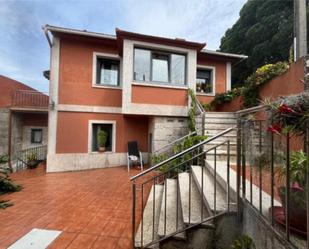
(23, 118)
(133, 86)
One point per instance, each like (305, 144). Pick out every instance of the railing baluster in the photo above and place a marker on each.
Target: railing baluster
(153, 208)
(228, 175)
(190, 179)
(260, 166)
(272, 177)
(287, 196)
(215, 182)
(177, 200)
(202, 191)
(307, 154)
(238, 167)
(142, 212)
(165, 200)
(133, 213)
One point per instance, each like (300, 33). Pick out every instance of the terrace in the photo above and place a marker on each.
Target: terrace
(91, 208)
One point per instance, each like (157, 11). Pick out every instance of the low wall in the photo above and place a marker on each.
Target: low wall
(261, 233)
(282, 85)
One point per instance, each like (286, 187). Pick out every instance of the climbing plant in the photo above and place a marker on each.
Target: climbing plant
(184, 144)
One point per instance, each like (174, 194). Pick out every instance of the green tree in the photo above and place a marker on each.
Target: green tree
(264, 32)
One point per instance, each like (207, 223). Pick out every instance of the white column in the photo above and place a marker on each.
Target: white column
(228, 76)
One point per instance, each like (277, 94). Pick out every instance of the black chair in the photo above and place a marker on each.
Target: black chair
(134, 156)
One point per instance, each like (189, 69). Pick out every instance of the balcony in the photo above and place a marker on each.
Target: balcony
(27, 100)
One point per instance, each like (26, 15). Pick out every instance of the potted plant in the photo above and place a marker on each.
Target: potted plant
(298, 165)
(32, 160)
(290, 117)
(102, 138)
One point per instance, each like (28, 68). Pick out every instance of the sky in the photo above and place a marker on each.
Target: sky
(24, 51)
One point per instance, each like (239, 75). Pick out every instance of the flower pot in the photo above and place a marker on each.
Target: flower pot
(298, 213)
(33, 164)
(101, 149)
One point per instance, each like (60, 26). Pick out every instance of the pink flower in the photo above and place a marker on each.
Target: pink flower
(275, 128)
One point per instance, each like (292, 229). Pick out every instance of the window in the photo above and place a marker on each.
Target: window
(159, 67)
(107, 72)
(36, 136)
(142, 64)
(108, 128)
(204, 81)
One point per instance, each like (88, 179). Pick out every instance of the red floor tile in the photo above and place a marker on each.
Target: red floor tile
(92, 208)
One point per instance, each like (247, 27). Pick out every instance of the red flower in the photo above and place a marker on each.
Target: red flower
(283, 108)
(275, 128)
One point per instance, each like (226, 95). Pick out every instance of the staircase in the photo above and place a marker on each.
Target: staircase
(214, 123)
(185, 197)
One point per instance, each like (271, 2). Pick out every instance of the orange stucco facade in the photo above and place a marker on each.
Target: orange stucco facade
(72, 131)
(75, 74)
(220, 76)
(159, 95)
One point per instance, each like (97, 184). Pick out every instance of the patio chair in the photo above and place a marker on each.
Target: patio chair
(134, 156)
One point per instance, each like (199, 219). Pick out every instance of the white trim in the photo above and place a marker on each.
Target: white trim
(53, 95)
(79, 32)
(94, 69)
(138, 83)
(213, 80)
(228, 76)
(157, 110)
(88, 108)
(85, 161)
(90, 123)
(239, 56)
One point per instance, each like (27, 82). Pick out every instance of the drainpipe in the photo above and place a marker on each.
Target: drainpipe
(45, 30)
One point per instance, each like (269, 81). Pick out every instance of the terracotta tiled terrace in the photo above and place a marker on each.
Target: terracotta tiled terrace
(91, 208)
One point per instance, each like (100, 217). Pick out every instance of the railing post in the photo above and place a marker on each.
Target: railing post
(133, 212)
(238, 169)
(307, 187)
(287, 190)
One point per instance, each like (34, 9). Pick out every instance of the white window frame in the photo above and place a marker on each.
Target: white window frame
(164, 50)
(213, 78)
(90, 123)
(94, 69)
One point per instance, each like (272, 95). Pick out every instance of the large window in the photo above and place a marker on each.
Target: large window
(159, 67)
(36, 136)
(107, 72)
(204, 81)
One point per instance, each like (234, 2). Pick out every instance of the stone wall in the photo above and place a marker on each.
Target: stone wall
(17, 134)
(26, 142)
(165, 130)
(4, 124)
(261, 233)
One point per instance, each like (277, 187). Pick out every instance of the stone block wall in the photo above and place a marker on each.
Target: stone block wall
(165, 130)
(4, 124)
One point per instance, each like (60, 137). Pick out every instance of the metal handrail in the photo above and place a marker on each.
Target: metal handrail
(250, 110)
(175, 141)
(182, 153)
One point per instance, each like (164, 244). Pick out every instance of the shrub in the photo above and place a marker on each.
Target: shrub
(250, 90)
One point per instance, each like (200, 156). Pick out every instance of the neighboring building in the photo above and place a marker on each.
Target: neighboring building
(133, 86)
(23, 117)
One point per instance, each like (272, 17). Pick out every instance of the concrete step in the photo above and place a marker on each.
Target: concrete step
(223, 126)
(215, 202)
(193, 214)
(220, 114)
(222, 180)
(146, 225)
(173, 220)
